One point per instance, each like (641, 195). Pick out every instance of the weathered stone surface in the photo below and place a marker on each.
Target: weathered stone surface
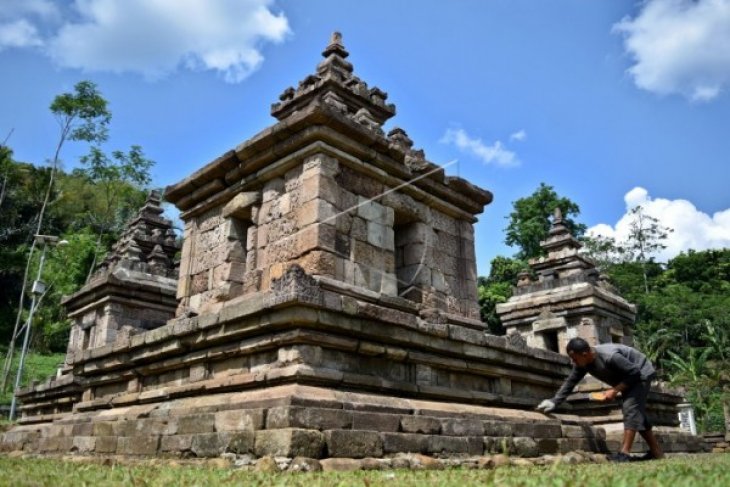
(524, 447)
(84, 444)
(420, 424)
(462, 427)
(106, 444)
(308, 418)
(138, 445)
(239, 420)
(209, 444)
(404, 442)
(176, 443)
(289, 442)
(375, 421)
(455, 444)
(353, 443)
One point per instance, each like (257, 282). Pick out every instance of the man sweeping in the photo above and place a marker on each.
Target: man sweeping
(629, 373)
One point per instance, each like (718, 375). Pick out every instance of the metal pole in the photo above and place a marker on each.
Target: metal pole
(26, 339)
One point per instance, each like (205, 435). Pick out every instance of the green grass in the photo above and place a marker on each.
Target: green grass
(696, 470)
(37, 367)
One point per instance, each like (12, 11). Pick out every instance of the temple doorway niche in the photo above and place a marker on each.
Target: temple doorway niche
(410, 248)
(551, 340)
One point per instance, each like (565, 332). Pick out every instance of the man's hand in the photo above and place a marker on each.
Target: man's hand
(610, 394)
(546, 406)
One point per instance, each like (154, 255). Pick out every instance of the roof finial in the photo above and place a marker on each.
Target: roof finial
(336, 48)
(557, 216)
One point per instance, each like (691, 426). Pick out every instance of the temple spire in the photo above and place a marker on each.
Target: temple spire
(335, 85)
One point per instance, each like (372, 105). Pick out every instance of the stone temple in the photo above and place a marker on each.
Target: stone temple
(325, 305)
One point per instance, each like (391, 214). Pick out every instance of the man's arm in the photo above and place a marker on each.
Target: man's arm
(575, 376)
(630, 371)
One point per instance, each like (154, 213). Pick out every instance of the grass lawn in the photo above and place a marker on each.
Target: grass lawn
(694, 470)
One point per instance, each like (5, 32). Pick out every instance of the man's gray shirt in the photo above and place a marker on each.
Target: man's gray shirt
(614, 364)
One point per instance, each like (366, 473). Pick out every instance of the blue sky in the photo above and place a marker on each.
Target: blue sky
(613, 102)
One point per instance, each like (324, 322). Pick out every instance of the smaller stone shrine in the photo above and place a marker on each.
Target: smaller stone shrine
(130, 292)
(133, 290)
(569, 298)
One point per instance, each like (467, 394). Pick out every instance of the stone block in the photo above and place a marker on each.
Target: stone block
(497, 428)
(376, 234)
(524, 447)
(65, 444)
(289, 442)
(319, 263)
(404, 443)
(470, 445)
(320, 186)
(462, 427)
(138, 445)
(141, 427)
(320, 164)
(548, 446)
(353, 443)
(316, 211)
(239, 420)
(82, 429)
(229, 272)
(359, 229)
(240, 206)
(196, 423)
(209, 444)
(370, 210)
(176, 443)
(44, 445)
(321, 236)
(272, 189)
(84, 444)
(571, 431)
(421, 424)
(375, 422)
(308, 418)
(241, 442)
(106, 444)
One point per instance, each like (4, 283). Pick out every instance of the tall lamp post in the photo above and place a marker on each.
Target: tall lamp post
(39, 287)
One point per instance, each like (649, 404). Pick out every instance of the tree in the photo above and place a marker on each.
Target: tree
(497, 288)
(603, 251)
(529, 222)
(117, 178)
(646, 237)
(82, 116)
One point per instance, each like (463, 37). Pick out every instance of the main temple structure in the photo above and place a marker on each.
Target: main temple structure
(324, 305)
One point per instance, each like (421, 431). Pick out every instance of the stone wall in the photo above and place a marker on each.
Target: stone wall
(335, 222)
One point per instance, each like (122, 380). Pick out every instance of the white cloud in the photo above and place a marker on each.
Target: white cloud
(693, 229)
(519, 136)
(19, 33)
(154, 38)
(489, 154)
(44, 9)
(680, 46)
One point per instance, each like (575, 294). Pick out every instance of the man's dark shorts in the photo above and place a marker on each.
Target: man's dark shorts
(634, 406)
